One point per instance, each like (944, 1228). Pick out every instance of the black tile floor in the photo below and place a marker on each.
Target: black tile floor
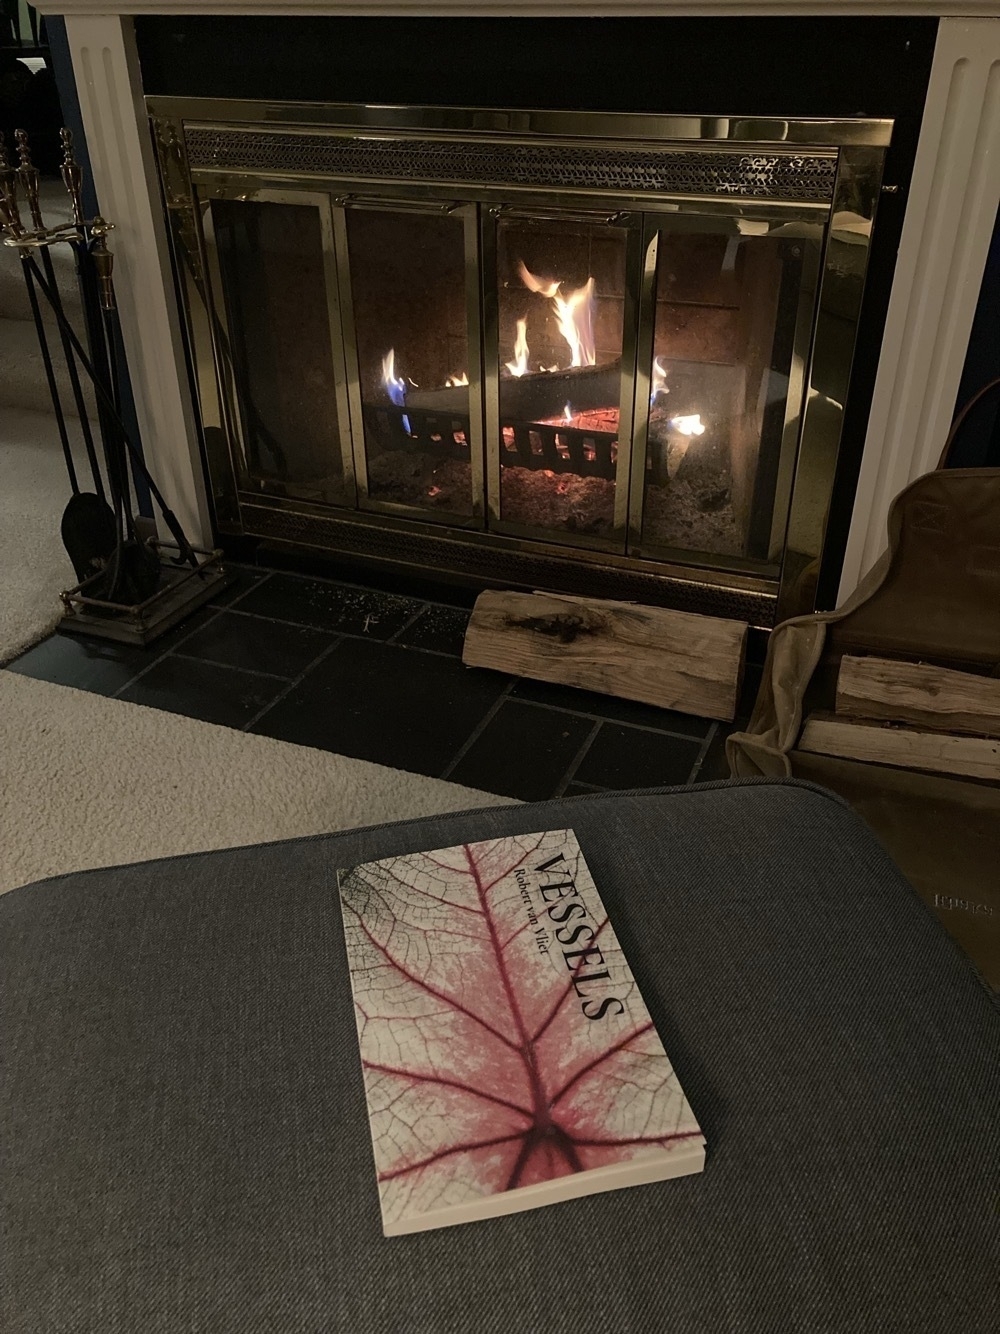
(379, 676)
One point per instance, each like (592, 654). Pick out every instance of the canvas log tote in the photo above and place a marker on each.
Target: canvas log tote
(934, 596)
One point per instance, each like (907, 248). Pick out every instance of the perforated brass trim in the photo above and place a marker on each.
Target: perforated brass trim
(771, 175)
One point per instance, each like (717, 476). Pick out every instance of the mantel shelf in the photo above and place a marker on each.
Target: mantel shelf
(532, 8)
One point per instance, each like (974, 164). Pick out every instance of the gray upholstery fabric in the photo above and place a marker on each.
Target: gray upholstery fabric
(184, 1129)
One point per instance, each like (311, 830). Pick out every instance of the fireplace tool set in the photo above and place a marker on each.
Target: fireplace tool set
(129, 589)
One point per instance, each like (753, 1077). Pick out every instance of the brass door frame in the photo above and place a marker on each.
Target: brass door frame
(269, 193)
(631, 224)
(405, 203)
(812, 233)
(857, 145)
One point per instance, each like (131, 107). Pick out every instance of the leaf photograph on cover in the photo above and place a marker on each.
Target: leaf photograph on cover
(508, 1058)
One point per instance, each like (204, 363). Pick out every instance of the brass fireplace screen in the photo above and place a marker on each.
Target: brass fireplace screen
(624, 339)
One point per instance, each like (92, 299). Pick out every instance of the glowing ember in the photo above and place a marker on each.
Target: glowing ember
(520, 363)
(691, 425)
(658, 385)
(456, 381)
(433, 491)
(395, 388)
(574, 314)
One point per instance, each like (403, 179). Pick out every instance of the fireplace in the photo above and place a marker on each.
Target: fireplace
(593, 352)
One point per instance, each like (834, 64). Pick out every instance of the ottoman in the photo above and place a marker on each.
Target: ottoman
(185, 1140)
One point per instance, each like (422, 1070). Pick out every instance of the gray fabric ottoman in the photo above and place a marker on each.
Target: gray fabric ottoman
(186, 1145)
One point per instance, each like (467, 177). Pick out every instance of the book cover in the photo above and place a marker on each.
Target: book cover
(508, 1058)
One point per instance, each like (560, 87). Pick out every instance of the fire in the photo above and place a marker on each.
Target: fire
(574, 314)
(456, 381)
(659, 383)
(394, 387)
(520, 363)
(567, 413)
(691, 425)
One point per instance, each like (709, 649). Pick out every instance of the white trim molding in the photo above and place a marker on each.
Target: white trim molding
(950, 216)
(121, 155)
(530, 8)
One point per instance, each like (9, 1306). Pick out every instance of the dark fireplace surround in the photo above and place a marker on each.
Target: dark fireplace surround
(618, 354)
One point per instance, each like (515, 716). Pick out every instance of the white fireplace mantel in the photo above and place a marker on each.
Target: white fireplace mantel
(953, 200)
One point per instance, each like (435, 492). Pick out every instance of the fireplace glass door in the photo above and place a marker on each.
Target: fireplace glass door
(277, 342)
(724, 348)
(561, 374)
(410, 356)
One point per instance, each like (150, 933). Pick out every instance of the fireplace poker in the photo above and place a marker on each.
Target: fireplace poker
(29, 178)
(187, 554)
(10, 221)
(96, 326)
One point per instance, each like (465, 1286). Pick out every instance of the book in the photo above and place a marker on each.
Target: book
(509, 1060)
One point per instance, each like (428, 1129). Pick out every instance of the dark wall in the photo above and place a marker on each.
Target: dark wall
(799, 67)
(747, 67)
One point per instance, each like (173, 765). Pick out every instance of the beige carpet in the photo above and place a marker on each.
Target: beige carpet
(33, 494)
(87, 781)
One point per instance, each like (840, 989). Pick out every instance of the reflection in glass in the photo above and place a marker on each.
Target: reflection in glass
(561, 289)
(409, 302)
(278, 348)
(723, 342)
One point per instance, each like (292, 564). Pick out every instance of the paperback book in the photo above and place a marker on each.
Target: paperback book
(509, 1061)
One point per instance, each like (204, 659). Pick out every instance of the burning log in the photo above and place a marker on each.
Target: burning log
(534, 396)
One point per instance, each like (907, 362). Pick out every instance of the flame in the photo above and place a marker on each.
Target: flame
(547, 286)
(456, 381)
(395, 388)
(574, 313)
(691, 425)
(520, 363)
(567, 413)
(575, 316)
(659, 383)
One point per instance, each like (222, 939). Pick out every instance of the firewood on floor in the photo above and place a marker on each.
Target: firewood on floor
(672, 659)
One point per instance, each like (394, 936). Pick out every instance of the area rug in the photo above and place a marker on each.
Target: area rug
(87, 781)
(34, 567)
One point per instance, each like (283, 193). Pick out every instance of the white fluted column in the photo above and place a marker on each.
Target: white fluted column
(121, 154)
(950, 214)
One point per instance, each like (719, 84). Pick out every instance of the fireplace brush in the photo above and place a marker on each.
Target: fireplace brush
(98, 537)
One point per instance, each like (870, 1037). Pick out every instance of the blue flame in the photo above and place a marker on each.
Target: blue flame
(395, 388)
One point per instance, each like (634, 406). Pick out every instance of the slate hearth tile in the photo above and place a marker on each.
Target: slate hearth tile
(202, 690)
(611, 707)
(385, 703)
(715, 765)
(330, 606)
(247, 577)
(101, 666)
(439, 628)
(257, 645)
(522, 752)
(623, 757)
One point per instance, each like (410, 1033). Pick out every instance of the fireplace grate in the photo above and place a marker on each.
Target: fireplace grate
(777, 175)
(539, 446)
(390, 427)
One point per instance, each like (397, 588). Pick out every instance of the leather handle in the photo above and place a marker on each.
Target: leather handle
(976, 398)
